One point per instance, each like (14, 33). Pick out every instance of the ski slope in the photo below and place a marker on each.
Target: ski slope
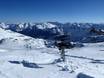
(88, 60)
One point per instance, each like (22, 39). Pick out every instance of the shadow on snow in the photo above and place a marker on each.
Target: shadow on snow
(81, 75)
(26, 64)
(92, 59)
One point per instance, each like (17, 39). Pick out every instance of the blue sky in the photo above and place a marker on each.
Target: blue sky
(52, 10)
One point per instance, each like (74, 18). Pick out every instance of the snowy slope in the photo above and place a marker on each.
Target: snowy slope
(11, 39)
(88, 60)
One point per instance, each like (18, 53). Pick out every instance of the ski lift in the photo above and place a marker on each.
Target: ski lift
(62, 42)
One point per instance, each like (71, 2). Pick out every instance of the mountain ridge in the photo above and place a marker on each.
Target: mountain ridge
(47, 30)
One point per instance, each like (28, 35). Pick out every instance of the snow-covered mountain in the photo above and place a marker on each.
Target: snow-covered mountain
(10, 39)
(47, 30)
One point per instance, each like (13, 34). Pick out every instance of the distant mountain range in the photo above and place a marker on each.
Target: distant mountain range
(76, 31)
